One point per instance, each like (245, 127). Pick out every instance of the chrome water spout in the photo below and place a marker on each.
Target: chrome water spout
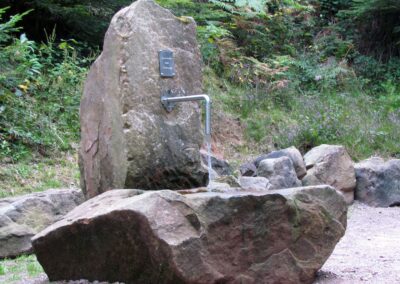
(169, 100)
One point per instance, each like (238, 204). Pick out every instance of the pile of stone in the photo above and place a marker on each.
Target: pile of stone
(240, 231)
(325, 164)
(372, 181)
(277, 223)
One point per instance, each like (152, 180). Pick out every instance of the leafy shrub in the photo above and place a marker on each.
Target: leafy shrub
(40, 88)
(84, 20)
(379, 26)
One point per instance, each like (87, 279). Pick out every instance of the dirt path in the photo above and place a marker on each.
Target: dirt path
(370, 250)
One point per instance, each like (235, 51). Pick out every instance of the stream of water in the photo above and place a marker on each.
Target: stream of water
(208, 144)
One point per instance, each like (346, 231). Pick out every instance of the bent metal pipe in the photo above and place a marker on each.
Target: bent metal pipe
(169, 101)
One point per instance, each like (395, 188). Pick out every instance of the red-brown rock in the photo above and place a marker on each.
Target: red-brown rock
(281, 236)
(128, 140)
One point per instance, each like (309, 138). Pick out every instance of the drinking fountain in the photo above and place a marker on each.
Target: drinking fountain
(169, 98)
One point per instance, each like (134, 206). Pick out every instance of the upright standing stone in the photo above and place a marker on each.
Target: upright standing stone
(128, 139)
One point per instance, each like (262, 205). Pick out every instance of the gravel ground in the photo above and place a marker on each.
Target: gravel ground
(370, 250)
(368, 253)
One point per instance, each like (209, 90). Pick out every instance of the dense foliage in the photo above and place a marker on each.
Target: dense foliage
(39, 93)
(299, 72)
(82, 20)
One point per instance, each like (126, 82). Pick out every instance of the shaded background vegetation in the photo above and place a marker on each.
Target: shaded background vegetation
(293, 72)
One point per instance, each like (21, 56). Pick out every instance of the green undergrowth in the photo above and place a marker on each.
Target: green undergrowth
(40, 90)
(33, 175)
(293, 72)
(365, 125)
(16, 270)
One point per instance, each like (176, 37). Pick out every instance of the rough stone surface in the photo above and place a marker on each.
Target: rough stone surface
(280, 236)
(280, 172)
(128, 139)
(230, 180)
(215, 186)
(332, 165)
(24, 216)
(378, 182)
(248, 170)
(292, 153)
(255, 183)
(222, 167)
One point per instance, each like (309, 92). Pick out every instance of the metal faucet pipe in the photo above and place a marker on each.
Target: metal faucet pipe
(169, 103)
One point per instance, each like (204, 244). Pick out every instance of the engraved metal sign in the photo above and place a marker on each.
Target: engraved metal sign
(167, 65)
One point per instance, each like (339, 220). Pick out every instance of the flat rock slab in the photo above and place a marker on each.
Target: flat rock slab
(24, 216)
(163, 236)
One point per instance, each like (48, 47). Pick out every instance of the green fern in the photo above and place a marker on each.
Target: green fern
(242, 7)
(9, 27)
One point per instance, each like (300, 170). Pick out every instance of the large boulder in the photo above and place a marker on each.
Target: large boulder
(24, 216)
(128, 140)
(332, 165)
(378, 182)
(166, 237)
(280, 172)
(292, 153)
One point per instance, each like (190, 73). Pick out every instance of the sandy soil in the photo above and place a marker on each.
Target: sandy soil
(370, 250)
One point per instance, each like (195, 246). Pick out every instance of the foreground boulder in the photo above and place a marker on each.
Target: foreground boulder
(24, 216)
(128, 140)
(292, 153)
(332, 165)
(280, 172)
(378, 182)
(163, 236)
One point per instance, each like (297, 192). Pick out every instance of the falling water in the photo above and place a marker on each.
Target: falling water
(208, 143)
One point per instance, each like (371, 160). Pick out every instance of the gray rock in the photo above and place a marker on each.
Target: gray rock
(248, 170)
(280, 172)
(292, 153)
(222, 167)
(230, 180)
(24, 216)
(332, 165)
(254, 183)
(215, 186)
(164, 237)
(128, 140)
(378, 182)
